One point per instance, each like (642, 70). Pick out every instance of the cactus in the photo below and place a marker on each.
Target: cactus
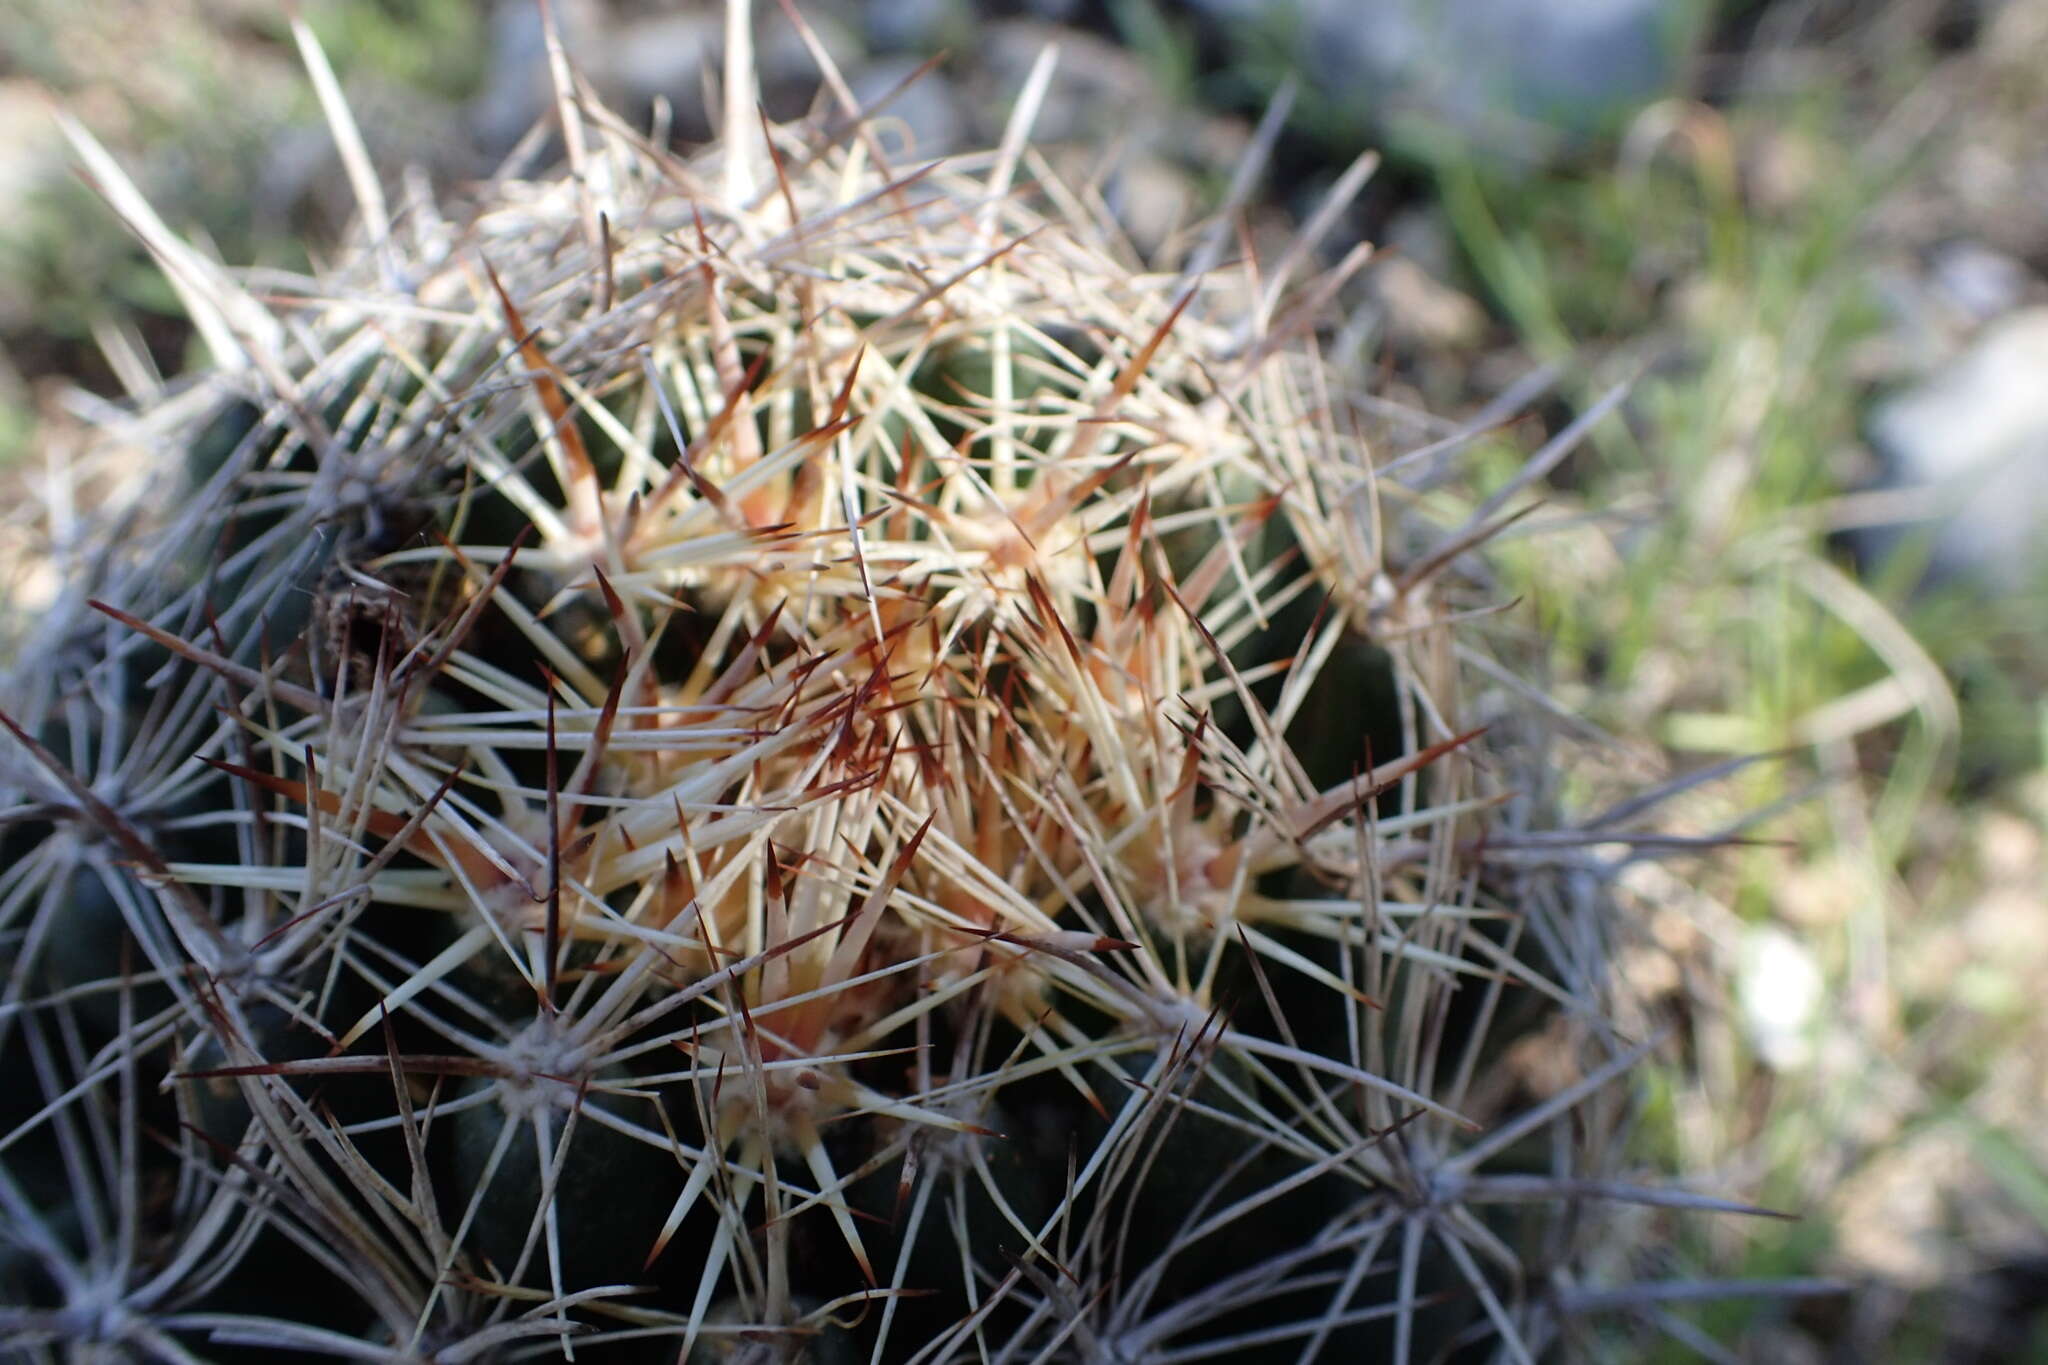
(774, 755)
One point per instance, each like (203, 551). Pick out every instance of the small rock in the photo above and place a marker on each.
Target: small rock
(1151, 199)
(2009, 849)
(1973, 439)
(1100, 92)
(633, 61)
(1780, 987)
(916, 25)
(1422, 233)
(925, 119)
(1514, 80)
(516, 91)
(1422, 313)
(1976, 280)
(661, 56)
(1889, 1216)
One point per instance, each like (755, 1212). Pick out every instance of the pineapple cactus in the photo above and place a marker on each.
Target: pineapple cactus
(780, 755)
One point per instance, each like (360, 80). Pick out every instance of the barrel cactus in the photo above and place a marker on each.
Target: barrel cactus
(781, 754)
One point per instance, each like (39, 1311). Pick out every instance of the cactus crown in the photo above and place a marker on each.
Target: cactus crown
(776, 752)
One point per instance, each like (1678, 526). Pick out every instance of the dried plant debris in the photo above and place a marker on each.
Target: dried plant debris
(769, 755)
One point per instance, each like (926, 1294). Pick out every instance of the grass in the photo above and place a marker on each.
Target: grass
(1724, 621)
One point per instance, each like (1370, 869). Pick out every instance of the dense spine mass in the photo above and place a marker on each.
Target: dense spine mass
(774, 753)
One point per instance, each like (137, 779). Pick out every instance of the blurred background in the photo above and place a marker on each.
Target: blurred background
(1809, 236)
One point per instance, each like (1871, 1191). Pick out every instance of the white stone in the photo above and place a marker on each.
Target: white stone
(1780, 988)
(1972, 440)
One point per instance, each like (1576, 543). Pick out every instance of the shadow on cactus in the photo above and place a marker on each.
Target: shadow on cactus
(768, 755)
